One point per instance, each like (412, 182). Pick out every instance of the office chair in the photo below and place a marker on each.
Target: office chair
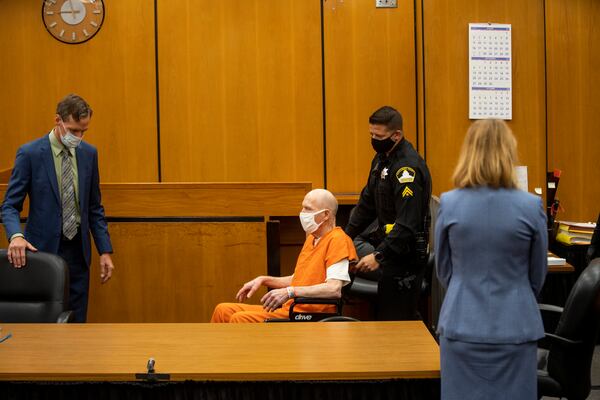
(565, 356)
(303, 316)
(37, 292)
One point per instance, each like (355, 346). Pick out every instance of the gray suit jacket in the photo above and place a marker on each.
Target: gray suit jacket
(491, 253)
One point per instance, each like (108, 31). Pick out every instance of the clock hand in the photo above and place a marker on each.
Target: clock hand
(67, 12)
(72, 9)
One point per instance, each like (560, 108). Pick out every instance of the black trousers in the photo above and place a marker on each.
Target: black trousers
(398, 288)
(398, 292)
(79, 276)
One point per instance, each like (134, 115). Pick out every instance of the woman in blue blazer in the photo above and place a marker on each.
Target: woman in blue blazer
(491, 252)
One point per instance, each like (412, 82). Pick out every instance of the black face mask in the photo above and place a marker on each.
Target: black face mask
(382, 146)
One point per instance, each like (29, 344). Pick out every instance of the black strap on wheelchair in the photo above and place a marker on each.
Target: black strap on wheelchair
(316, 316)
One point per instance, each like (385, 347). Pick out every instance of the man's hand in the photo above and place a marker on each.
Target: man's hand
(367, 263)
(248, 289)
(16, 251)
(106, 267)
(274, 299)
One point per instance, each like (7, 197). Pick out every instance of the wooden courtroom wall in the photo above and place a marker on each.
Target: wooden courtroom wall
(241, 87)
(369, 63)
(114, 72)
(240, 91)
(446, 52)
(276, 91)
(176, 271)
(573, 65)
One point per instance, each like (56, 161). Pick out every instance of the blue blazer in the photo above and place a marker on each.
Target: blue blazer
(491, 253)
(34, 175)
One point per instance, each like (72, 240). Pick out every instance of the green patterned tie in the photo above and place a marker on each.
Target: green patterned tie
(69, 221)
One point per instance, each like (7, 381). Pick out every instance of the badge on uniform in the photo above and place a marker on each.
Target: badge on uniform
(384, 173)
(407, 192)
(405, 175)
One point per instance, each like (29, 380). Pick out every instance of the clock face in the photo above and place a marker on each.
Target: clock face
(73, 21)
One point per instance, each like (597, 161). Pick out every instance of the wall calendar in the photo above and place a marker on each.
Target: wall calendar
(490, 71)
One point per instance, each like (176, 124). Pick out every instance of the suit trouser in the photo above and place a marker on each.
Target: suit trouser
(398, 293)
(79, 276)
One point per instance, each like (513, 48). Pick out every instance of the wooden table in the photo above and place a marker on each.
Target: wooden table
(351, 360)
(246, 352)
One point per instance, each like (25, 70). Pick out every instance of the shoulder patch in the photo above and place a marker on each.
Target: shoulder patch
(407, 192)
(405, 175)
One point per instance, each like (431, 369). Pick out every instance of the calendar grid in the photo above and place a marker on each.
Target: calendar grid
(490, 71)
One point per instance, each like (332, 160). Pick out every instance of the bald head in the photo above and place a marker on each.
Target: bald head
(322, 199)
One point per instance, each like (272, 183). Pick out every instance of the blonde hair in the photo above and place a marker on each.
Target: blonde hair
(488, 156)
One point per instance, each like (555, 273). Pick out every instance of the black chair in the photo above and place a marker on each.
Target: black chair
(367, 288)
(565, 356)
(300, 316)
(37, 292)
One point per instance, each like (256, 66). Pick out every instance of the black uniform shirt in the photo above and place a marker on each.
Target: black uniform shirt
(397, 192)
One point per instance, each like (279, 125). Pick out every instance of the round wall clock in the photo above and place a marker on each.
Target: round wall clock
(73, 21)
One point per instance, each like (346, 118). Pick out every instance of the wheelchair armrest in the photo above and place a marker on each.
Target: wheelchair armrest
(65, 317)
(277, 320)
(316, 300)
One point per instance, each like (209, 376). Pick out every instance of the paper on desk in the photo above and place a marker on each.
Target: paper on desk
(556, 261)
(589, 225)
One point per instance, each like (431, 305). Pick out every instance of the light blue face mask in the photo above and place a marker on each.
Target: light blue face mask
(68, 139)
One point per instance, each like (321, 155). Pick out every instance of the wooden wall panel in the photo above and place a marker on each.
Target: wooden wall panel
(446, 81)
(176, 272)
(240, 87)
(203, 199)
(422, 140)
(114, 72)
(573, 79)
(369, 62)
(158, 200)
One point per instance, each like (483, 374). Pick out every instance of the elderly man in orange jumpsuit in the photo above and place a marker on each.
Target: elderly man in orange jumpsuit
(321, 269)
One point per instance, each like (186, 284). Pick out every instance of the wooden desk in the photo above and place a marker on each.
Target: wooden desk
(561, 268)
(222, 352)
(566, 268)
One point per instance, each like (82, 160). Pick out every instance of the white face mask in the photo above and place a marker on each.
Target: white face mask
(307, 219)
(69, 140)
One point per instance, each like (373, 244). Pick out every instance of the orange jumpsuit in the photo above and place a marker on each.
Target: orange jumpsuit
(311, 269)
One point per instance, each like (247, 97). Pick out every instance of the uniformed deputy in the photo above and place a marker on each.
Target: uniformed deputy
(397, 197)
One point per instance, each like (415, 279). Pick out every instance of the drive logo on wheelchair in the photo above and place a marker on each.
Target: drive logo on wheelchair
(300, 317)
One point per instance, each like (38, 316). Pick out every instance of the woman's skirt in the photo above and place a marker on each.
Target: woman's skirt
(488, 371)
